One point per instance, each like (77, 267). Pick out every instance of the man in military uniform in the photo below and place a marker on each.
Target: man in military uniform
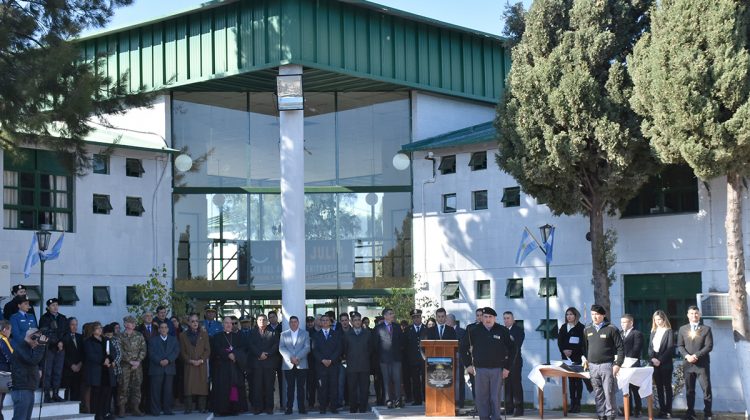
(17, 292)
(414, 381)
(210, 323)
(55, 325)
(133, 347)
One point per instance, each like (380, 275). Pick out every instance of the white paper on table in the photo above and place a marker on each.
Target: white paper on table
(629, 362)
(568, 362)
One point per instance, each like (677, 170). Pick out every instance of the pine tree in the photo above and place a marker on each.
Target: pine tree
(692, 86)
(47, 93)
(568, 134)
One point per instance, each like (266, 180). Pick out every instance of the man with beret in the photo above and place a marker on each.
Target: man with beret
(54, 325)
(487, 352)
(603, 354)
(17, 292)
(133, 346)
(210, 323)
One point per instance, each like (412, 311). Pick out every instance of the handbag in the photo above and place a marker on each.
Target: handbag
(5, 383)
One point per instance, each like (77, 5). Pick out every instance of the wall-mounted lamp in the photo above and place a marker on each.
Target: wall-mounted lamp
(289, 92)
(183, 162)
(401, 161)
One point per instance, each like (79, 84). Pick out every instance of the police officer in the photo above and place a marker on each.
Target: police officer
(487, 352)
(210, 323)
(54, 325)
(415, 377)
(133, 346)
(603, 354)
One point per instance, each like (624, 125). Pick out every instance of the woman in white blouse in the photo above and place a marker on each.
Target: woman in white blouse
(660, 353)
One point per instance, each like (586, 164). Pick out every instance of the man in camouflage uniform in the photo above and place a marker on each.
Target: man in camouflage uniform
(133, 352)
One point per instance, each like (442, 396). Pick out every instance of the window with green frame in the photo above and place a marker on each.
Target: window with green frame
(514, 289)
(674, 190)
(37, 190)
(484, 289)
(511, 197)
(548, 287)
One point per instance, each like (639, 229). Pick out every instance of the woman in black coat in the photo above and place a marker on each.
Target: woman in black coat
(99, 373)
(660, 354)
(570, 343)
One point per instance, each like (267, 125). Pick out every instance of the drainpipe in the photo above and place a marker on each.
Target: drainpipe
(429, 157)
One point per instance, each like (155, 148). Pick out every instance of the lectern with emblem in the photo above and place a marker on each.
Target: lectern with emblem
(441, 370)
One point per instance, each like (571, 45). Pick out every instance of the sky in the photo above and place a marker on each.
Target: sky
(481, 15)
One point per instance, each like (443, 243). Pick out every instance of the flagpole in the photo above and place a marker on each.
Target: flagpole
(41, 282)
(546, 292)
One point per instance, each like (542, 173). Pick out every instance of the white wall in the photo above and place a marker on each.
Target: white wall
(112, 250)
(473, 245)
(433, 115)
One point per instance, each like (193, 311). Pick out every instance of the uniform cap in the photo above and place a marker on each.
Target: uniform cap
(415, 312)
(51, 301)
(16, 288)
(129, 319)
(489, 311)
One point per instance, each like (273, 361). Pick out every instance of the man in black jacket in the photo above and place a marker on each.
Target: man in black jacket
(603, 355)
(389, 347)
(54, 325)
(487, 351)
(414, 335)
(441, 330)
(632, 341)
(513, 388)
(327, 349)
(358, 349)
(25, 372)
(264, 357)
(694, 342)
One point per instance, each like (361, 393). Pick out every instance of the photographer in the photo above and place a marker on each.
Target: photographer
(54, 325)
(25, 372)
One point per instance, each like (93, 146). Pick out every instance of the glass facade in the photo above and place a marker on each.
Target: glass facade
(357, 208)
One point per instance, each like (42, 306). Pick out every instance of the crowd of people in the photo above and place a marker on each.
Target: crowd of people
(230, 366)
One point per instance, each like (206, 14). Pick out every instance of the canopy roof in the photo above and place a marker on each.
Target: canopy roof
(479, 133)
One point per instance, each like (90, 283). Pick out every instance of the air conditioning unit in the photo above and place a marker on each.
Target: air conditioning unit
(714, 305)
(4, 278)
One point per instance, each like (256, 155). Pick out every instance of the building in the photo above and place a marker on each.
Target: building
(376, 81)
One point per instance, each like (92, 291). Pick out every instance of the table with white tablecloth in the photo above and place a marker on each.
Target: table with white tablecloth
(638, 376)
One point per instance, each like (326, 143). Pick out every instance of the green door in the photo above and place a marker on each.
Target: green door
(672, 293)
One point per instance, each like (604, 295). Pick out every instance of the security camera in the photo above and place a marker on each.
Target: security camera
(429, 155)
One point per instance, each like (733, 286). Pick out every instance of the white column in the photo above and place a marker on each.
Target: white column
(291, 130)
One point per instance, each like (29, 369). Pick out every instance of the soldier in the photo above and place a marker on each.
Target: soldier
(55, 325)
(210, 323)
(133, 352)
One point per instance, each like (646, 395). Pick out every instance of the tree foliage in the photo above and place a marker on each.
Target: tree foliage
(514, 16)
(155, 292)
(47, 93)
(692, 85)
(567, 131)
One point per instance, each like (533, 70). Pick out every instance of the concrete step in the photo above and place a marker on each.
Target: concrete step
(8, 401)
(63, 410)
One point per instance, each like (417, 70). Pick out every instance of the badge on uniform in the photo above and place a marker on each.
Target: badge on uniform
(497, 337)
(602, 335)
(589, 334)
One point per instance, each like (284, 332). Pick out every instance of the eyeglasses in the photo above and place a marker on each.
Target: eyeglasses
(235, 323)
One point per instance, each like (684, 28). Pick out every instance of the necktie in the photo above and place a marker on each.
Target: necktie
(389, 329)
(695, 328)
(75, 343)
(325, 333)
(148, 328)
(417, 329)
(441, 332)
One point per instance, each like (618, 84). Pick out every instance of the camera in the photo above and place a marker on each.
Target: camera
(38, 338)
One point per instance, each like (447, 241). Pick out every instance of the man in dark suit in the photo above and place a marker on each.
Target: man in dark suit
(327, 350)
(441, 331)
(513, 387)
(694, 342)
(414, 357)
(358, 350)
(163, 351)
(632, 341)
(73, 363)
(460, 334)
(264, 357)
(149, 330)
(389, 346)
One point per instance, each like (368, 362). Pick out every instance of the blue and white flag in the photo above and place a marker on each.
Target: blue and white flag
(549, 244)
(31, 258)
(526, 247)
(54, 253)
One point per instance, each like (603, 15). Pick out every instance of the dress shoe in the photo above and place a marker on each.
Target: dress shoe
(288, 411)
(363, 410)
(57, 398)
(417, 403)
(518, 413)
(137, 412)
(334, 411)
(389, 404)
(169, 414)
(269, 411)
(322, 411)
(637, 413)
(400, 404)
(256, 412)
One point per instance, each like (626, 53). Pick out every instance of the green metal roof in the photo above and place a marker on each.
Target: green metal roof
(238, 44)
(479, 133)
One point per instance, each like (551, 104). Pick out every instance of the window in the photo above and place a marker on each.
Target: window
(102, 204)
(478, 161)
(548, 286)
(37, 190)
(132, 296)
(484, 289)
(134, 206)
(100, 164)
(101, 296)
(518, 323)
(66, 295)
(548, 328)
(134, 167)
(514, 289)
(511, 197)
(479, 200)
(448, 165)
(449, 203)
(450, 290)
(674, 190)
(33, 293)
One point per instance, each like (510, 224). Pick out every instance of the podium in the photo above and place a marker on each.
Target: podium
(440, 373)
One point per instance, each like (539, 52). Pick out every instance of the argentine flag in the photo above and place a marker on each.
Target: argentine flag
(526, 247)
(549, 244)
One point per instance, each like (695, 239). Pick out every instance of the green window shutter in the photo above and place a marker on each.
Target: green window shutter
(514, 289)
(548, 328)
(66, 295)
(548, 286)
(450, 291)
(101, 296)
